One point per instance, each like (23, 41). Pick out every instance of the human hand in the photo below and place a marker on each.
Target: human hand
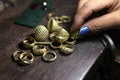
(87, 7)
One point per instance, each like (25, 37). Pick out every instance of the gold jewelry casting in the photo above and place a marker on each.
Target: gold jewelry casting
(26, 58)
(28, 42)
(49, 56)
(41, 33)
(53, 25)
(66, 49)
(62, 35)
(71, 41)
(16, 55)
(53, 36)
(39, 49)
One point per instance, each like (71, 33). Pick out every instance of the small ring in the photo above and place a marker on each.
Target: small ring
(66, 49)
(71, 41)
(28, 42)
(16, 55)
(26, 58)
(39, 49)
(49, 59)
(55, 44)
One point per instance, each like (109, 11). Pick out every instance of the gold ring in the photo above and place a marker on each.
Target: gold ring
(52, 36)
(16, 55)
(66, 49)
(75, 35)
(62, 35)
(39, 49)
(49, 56)
(55, 44)
(28, 42)
(26, 58)
(53, 25)
(71, 41)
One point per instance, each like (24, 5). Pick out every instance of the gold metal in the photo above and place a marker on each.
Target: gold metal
(62, 35)
(52, 56)
(55, 44)
(53, 25)
(71, 41)
(65, 19)
(75, 35)
(16, 55)
(41, 33)
(53, 36)
(39, 49)
(30, 42)
(26, 58)
(66, 49)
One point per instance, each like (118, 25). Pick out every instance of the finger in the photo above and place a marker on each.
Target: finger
(81, 3)
(88, 9)
(102, 23)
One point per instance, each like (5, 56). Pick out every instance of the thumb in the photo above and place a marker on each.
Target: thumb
(101, 23)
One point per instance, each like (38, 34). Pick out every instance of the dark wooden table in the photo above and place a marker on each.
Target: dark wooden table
(73, 67)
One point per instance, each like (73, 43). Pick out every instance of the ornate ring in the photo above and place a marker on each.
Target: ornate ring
(16, 55)
(28, 42)
(39, 49)
(62, 35)
(53, 25)
(51, 56)
(26, 58)
(66, 49)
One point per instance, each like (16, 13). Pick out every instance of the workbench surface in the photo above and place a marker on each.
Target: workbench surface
(72, 67)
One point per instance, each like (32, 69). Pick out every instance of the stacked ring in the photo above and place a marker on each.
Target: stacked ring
(26, 58)
(17, 54)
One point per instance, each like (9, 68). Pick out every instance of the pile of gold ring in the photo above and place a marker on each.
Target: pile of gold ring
(59, 39)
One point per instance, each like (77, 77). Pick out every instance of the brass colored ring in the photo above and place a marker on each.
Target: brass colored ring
(66, 49)
(39, 49)
(52, 36)
(49, 59)
(75, 35)
(16, 55)
(26, 58)
(62, 35)
(55, 44)
(28, 42)
(71, 41)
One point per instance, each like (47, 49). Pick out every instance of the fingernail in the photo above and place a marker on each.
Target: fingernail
(84, 31)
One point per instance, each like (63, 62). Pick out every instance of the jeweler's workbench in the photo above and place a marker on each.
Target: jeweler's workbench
(83, 64)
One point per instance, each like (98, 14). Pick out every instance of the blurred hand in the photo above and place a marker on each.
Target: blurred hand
(87, 7)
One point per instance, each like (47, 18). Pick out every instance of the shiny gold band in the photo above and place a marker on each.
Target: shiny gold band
(26, 58)
(39, 49)
(49, 54)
